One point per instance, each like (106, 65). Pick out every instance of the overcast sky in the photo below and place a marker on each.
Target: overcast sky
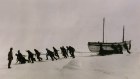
(29, 24)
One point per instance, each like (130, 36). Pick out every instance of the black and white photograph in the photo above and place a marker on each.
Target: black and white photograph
(69, 39)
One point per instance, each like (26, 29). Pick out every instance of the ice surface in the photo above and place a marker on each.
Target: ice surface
(84, 66)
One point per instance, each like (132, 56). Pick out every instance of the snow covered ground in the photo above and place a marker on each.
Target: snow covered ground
(84, 66)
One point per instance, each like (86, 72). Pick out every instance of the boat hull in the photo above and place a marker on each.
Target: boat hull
(95, 46)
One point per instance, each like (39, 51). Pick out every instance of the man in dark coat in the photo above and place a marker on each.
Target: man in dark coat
(17, 58)
(51, 54)
(10, 57)
(30, 56)
(21, 58)
(126, 47)
(63, 51)
(72, 50)
(37, 53)
(56, 52)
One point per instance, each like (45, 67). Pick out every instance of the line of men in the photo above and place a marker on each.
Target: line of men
(52, 54)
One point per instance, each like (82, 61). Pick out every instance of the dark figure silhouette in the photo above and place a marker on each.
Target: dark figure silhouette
(101, 51)
(56, 52)
(63, 51)
(30, 56)
(51, 54)
(69, 50)
(115, 48)
(126, 47)
(37, 53)
(72, 50)
(120, 49)
(10, 57)
(17, 58)
(66, 51)
(20, 58)
(130, 45)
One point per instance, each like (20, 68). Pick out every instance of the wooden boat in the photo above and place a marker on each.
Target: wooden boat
(107, 46)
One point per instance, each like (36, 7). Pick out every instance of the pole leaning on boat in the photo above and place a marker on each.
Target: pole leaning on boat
(123, 34)
(103, 28)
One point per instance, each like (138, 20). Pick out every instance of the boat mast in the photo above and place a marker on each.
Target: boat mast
(123, 34)
(103, 28)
